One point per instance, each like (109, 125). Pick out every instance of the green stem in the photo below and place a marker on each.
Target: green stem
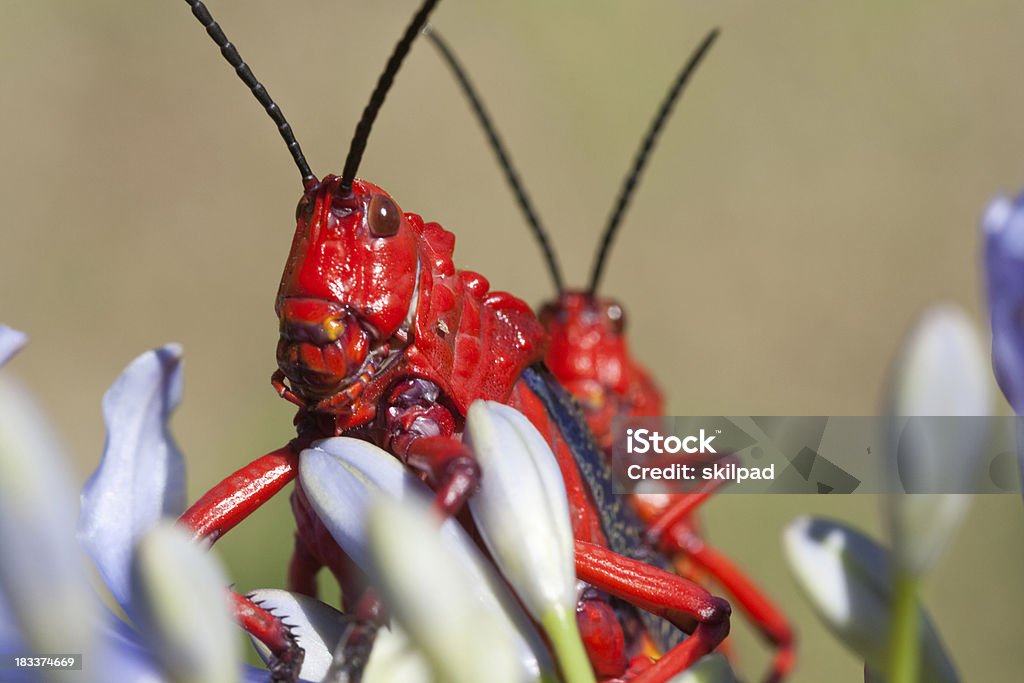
(560, 625)
(904, 636)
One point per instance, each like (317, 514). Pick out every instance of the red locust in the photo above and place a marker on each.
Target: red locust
(383, 339)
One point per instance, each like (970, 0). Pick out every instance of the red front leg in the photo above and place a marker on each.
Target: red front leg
(286, 662)
(303, 568)
(672, 532)
(449, 468)
(241, 493)
(662, 593)
(768, 619)
(224, 506)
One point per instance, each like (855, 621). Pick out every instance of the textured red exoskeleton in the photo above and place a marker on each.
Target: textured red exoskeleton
(589, 355)
(382, 338)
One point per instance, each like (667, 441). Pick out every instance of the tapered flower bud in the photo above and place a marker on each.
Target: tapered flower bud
(522, 512)
(847, 579)
(181, 606)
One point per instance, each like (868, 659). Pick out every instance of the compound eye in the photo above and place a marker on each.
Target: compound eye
(616, 318)
(383, 217)
(305, 208)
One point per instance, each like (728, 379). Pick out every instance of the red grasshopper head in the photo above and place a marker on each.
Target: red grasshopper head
(348, 288)
(590, 356)
(347, 295)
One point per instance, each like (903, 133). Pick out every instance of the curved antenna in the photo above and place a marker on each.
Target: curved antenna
(362, 134)
(498, 147)
(255, 87)
(640, 160)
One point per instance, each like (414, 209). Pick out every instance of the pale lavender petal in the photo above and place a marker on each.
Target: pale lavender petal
(126, 659)
(141, 477)
(11, 341)
(10, 636)
(40, 563)
(121, 655)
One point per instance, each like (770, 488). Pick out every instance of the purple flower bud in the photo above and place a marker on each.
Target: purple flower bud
(1003, 225)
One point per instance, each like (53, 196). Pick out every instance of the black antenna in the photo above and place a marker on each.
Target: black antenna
(362, 134)
(629, 184)
(499, 151)
(255, 87)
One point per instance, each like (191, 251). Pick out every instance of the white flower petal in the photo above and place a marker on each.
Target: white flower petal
(340, 476)
(846, 578)
(425, 586)
(521, 508)
(40, 563)
(522, 512)
(180, 596)
(921, 526)
(11, 341)
(943, 371)
(395, 658)
(316, 626)
(141, 477)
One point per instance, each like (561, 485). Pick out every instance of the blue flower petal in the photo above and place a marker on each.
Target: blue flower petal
(141, 477)
(1003, 225)
(10, 638)
(40, 565)
(122, 656)
(125, 659)
(11, 341)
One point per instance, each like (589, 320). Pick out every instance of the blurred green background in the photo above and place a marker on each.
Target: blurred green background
(819, 187)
